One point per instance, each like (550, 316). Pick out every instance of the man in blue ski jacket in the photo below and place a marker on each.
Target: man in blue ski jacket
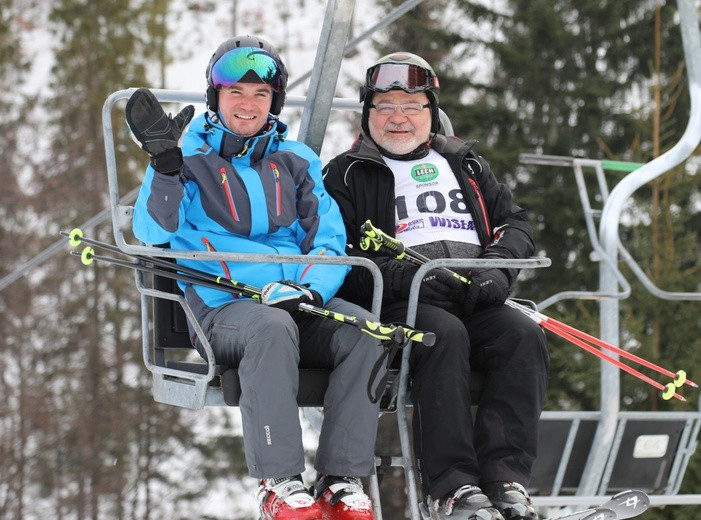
(437, 196)
(238, 185)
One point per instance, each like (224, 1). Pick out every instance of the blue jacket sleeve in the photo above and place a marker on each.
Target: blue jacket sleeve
(159, 209)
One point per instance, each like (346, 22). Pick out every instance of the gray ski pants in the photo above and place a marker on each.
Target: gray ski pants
(268, 346)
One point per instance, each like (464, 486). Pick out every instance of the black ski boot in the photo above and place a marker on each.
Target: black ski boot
(465, 503)
(512, 499)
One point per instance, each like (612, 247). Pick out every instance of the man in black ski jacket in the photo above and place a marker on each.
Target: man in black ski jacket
(437, 196)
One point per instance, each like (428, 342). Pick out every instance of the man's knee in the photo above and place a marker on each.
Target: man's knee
(452, 343)
(270, 334)
(531, 348)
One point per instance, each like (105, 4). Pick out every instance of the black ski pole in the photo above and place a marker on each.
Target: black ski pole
(88, 256)
(76, 237)
(383, 332)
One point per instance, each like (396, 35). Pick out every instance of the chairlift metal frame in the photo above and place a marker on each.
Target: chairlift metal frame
(611, 421)
(612, 424)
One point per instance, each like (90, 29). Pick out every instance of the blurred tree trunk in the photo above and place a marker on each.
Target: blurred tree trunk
(18, 385)
(71, 334)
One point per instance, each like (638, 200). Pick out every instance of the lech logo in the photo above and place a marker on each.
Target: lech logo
(424, 172)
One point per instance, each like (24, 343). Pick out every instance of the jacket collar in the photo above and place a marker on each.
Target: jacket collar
(229, 144)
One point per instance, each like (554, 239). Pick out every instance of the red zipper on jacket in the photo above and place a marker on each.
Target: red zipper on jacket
(211, 248)
(480, 200)
(227, 191)
(278, 196)
(309, 266)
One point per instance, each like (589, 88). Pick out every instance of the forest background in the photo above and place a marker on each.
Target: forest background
(80, 436)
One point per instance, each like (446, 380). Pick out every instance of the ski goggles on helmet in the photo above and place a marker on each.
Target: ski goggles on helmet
(236, 63)
(404, 76)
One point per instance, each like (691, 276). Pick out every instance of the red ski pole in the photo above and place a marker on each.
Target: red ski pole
(668, 390)
(679, 377)
(553, 325)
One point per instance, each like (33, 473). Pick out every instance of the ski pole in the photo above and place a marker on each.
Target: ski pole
(375, 239)
(679, 377)
(88, 256)
(76, 237)
(668, 390)
(383, 332)
(396, 333)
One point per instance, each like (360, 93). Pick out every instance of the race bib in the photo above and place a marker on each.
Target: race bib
(429, 204)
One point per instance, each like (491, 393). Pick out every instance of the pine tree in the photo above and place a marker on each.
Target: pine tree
(572, 80)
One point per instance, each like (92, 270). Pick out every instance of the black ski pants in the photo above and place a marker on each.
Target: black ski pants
(500, 444)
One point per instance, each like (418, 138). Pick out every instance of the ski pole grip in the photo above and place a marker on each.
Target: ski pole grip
(375, 237)
(427, 338)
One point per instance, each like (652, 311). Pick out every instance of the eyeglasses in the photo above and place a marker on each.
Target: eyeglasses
(234, 65)
(408, 109)
(404, 76)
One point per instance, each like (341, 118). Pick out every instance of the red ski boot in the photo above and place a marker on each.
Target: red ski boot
(342, 498)
(286, 499)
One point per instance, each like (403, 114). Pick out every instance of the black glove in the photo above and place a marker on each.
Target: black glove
(442, 289)
(438, 288)
(397, 276)
(287, 295)
(488, 288)
(157, 133)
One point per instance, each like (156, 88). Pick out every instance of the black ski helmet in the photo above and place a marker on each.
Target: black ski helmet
(256, 60)
(401, 71)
